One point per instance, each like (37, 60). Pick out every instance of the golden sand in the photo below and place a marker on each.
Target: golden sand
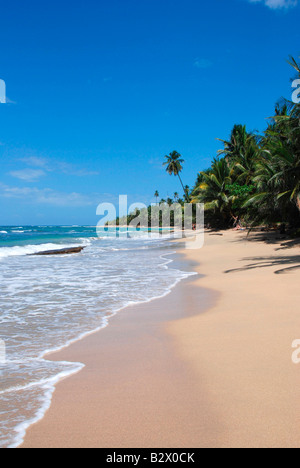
(199, 368)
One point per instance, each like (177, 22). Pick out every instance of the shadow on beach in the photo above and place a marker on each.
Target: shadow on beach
(283, 242)
(267, 262)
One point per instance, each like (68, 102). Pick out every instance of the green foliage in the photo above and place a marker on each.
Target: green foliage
(242, 191)
(174, 163)
(254, 177)
(257, 177)
(240, 194)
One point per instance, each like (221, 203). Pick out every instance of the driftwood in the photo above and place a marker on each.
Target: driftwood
(71, 250)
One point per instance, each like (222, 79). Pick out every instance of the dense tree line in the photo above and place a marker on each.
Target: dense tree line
(256, 177)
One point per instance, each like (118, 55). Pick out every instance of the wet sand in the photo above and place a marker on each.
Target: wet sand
(209, 365)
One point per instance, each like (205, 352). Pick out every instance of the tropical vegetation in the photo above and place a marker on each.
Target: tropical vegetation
(254, 178)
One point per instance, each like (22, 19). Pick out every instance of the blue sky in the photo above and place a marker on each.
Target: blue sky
(98, 91)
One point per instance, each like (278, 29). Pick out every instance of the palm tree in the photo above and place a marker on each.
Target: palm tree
(237, 143)
(287, 175)
(176, 196)
(213, 191)
(263, 204)
(257, 177)
(277, 175)
(174, 164)
(244, 166)
(241, 153)
(156, 195)
(187, 194)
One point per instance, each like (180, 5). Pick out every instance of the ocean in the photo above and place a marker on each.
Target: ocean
(49, 302)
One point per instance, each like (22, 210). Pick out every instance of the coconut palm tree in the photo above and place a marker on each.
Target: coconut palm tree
(187, 194)
(241, 153)
(156, 195)
(176, 196)
(285, 183)
(243, 168)
(174, 163)
(282, 149)
(236, 144)
(277, 175)
(213, 191)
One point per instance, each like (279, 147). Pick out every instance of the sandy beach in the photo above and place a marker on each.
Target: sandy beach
(209, 365)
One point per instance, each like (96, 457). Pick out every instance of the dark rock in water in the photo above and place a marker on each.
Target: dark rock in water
(69, 251)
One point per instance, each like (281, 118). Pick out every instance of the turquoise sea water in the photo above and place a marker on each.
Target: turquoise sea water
(48, 302)
(11, 236)
(34, 235)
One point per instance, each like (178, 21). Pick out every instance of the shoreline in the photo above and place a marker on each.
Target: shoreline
(52, 354)
(202, 375)
(145, 316)
(47, 386)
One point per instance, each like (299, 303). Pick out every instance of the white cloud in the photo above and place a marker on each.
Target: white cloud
(57, 166)
(52, 197)
(29, 175)
(155, 162)
(49, 196)
(202, 63)
(277, 4)
(35, 161)
(70, 169)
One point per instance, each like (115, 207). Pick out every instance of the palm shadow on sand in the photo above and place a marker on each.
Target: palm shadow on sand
(267, 262)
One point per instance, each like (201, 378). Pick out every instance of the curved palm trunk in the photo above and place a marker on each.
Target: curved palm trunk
(184, 191)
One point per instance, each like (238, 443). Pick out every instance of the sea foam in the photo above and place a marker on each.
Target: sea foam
(48, 303)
